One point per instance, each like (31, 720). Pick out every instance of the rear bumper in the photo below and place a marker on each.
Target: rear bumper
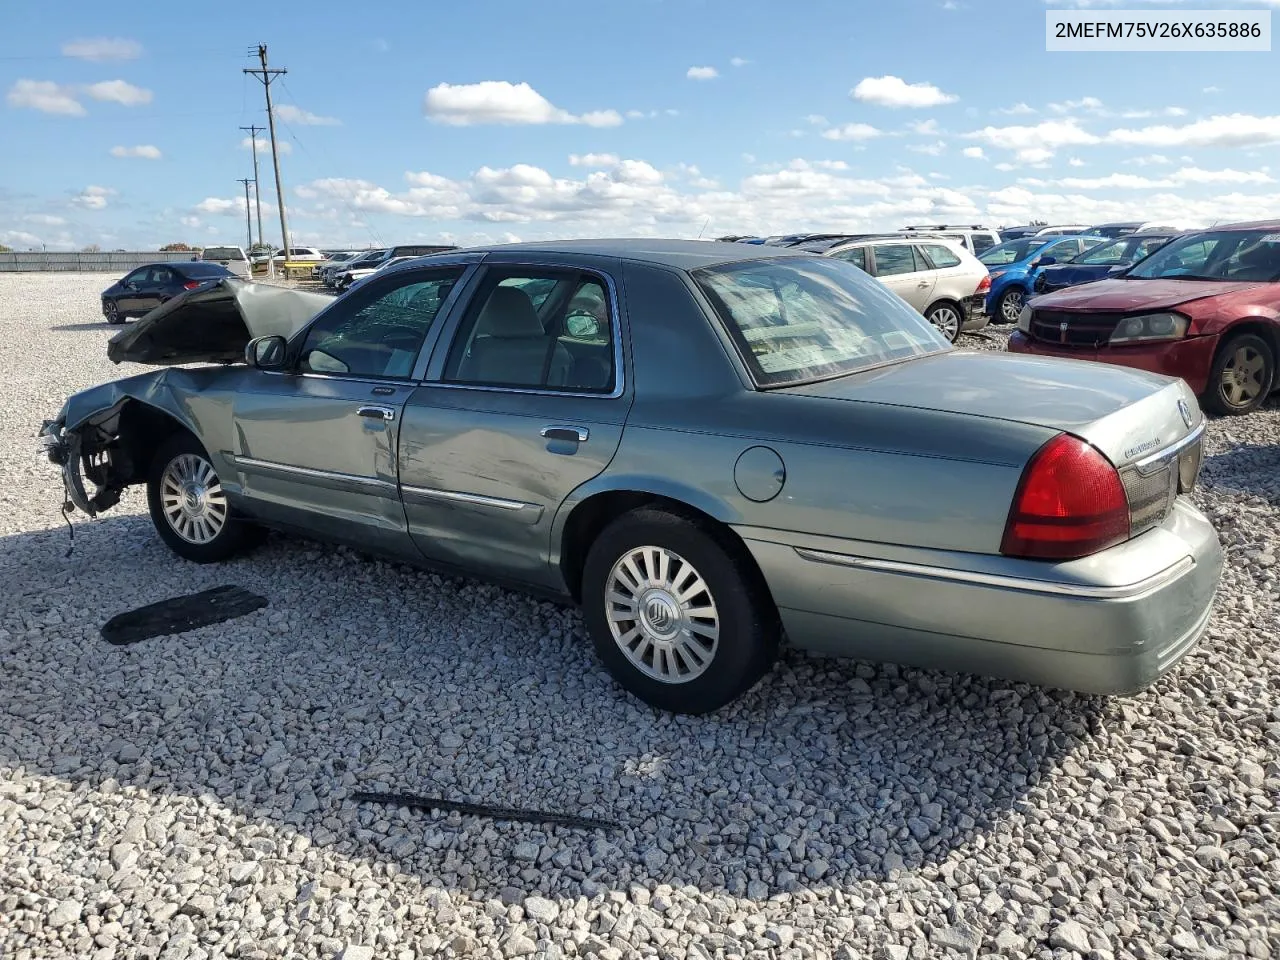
(1189, 359)
(975, 313)
(1110, 624)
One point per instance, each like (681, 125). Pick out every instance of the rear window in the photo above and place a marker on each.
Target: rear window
(981, 241)
(196, 270)
(223, 253)
(812, 318)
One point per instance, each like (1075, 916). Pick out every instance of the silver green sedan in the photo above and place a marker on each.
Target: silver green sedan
(712, 448)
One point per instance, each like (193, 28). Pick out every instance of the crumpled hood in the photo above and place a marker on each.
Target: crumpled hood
(1069, 275)
(213, 323)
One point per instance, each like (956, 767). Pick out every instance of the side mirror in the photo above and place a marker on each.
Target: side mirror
(1045, 261)
(266, 353)
(582, 326)
(1118, 268)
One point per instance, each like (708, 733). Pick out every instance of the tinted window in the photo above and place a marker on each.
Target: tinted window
(804, 319)
(377, 331)
(1107, 254)
(204, 271)
(1147, 246)
(941, 256)
(161, 276)
(855, 255)
(1251, 255)
(138, 276)
(222, 253)
(981, 241)
(893, 259)
(1013, 251)
(540, 330)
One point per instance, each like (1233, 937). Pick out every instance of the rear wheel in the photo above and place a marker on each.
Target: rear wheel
(679, 616)
(1242, 375)
(1011, 304)
(946, 317)
(188, 507)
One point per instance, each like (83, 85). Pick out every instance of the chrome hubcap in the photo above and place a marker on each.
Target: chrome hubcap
(192, 500)
(662, 615)
(1242, 377)
(1011, 306)
(947, 321)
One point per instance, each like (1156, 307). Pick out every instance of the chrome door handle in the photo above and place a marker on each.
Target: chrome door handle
(377, 413)
(577, 434)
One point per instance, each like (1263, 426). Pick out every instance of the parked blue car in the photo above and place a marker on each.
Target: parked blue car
(1098, 263)
(1010, 265)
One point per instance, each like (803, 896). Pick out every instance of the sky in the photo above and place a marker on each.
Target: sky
(503, 120)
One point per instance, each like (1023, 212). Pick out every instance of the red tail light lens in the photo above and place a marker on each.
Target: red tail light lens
(1070, 503)
(984, 285)
(191, 285)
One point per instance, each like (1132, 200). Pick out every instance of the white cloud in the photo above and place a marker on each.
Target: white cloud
(93, 198)
(738, 61)
(890, 91)
(190, 221)
(143, 151)
(101, 49)
(852, 131)
(19, 238)
(1017, 110)
(291, 114)
(1092, 104)
(1196, 175)
(1150, 160)
(1230, 130)
(217, 205)
(816, 120)
(264, 145)
(973, 153)
(1179, 178)
(1075, 162)
(1034, 155)
(925, 128)
(935, 149)
(45, 96)
(118, 91)
(702, 73)
(44, 219)
(1035, 141)
(593, 159)
(1211, 90)
(500, 102)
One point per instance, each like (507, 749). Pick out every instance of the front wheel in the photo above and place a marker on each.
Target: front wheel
(188, 507)
(1242, 375)
(113, 312)
(677, 612)
(946, 317)
(1010, 306)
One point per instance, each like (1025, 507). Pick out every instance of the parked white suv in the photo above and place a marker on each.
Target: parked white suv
(975, 238)
(299, 255)
(938, 277)
(233, 258)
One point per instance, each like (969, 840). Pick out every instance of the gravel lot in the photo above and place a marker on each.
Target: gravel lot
(187, 796)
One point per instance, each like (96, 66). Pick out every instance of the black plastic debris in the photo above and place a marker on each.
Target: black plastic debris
(485, 810)
(180, 614)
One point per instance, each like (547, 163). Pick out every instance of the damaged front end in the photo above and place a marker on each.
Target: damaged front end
(90, 454)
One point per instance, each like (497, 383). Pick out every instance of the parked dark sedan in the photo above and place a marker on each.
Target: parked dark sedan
(1098, 263)
(146, 288)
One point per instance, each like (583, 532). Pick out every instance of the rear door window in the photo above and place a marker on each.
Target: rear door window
(941, 256)
(855, 255)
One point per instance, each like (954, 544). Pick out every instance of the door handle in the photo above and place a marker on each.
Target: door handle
(922, 284)
(576, 434)
(377, 413)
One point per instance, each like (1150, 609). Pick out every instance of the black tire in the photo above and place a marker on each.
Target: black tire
(234, 534)
(1005, 305)
(748, 625)
(937, 310)
(1242, 375)
(113, 312)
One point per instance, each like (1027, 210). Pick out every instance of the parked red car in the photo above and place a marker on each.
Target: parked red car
(1205, 308)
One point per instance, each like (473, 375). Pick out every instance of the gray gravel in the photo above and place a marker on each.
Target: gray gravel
(187, 797)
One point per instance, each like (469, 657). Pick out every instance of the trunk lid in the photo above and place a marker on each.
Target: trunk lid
(1125, 296)
(214, 323)
(1127, 414)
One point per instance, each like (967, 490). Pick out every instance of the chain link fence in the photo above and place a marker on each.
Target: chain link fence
(119, 261)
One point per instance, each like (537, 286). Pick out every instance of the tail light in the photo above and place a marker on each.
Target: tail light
(1070, 503)
(191, 284)
(984, 285)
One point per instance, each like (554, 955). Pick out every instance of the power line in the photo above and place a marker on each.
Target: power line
(248, 224)
(266, 74)
(257, 190)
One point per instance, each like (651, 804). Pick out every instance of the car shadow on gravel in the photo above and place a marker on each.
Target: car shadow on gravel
(1252, 468)
(363, 675)
(101, 325)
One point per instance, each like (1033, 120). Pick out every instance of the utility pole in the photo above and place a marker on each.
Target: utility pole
(257, 188)
(266, 75)
(248, 224)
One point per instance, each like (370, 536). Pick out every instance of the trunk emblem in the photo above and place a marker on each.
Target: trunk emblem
(1185, 410)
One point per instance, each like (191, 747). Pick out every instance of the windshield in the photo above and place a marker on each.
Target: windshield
(811, 318)
(1248, 255)
(223, 253)
(1014, 251)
